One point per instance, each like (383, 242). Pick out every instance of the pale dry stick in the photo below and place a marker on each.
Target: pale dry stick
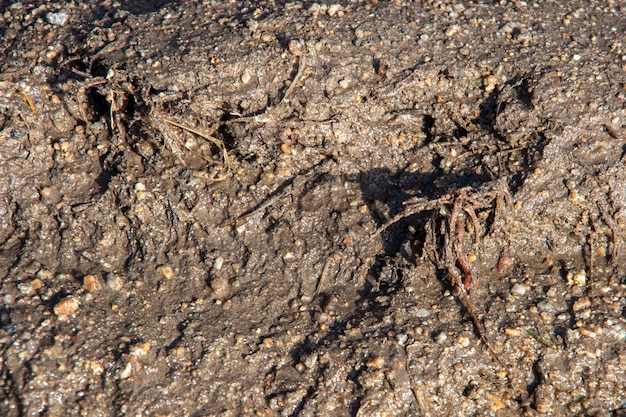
(416, 390)
(264, 117)
(414, 206)
(322, 279)
(591, 247)
(301, 66)
(271, 201)
(208, 137)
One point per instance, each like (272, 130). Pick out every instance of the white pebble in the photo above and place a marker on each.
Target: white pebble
(518, 289)
(335, 9)
(114, 282)
(218, 262)
(59, 18)
(422, 313)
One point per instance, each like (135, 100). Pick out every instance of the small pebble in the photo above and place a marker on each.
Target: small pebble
(581, 304)
(464, 341)
(422, 313)
(59, 18)
(513, 332)
(127, 372)
(286, 149)
(322, 317)
(575, 198)
(587, 333)
(114, 282)
(66, 306)
(335, 10)
(165, 271)
(268, 37)
(92, 283)
(45, 274)
(220, 286)
(51, 194)
(518, 289)
(376, 363)
(140, 349)
(441, 338)
(218, 263)
(578, 278)
(401, 339)
(489, 82)
(25, 288)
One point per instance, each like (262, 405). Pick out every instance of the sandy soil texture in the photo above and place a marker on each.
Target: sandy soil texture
(364, 208)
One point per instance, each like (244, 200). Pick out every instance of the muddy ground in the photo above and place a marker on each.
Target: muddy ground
(220, 208)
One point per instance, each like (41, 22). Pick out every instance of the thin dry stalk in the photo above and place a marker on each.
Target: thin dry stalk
(269, 112)
(288, 190)
(211, 139)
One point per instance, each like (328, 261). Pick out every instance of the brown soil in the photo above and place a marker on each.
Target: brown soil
(267, 208)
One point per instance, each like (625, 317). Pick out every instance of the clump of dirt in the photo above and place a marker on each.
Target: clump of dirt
(306, 208)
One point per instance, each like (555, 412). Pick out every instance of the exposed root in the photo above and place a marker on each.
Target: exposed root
(455, 211)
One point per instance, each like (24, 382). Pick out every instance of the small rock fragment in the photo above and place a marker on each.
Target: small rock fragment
(51, 194)
(114, 282)
(574, 197)
(92, 283)
(376, 363)
(577, 278)
(335, 10)
(218, 263)
(514, 332)
(165, 271)
(140, 349)
(489, 82)
(66, 307)
(518, 289)
(220, 286)
(58, 18)
(581, 304)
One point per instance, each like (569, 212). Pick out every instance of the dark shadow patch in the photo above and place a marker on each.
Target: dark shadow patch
(139, 7)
